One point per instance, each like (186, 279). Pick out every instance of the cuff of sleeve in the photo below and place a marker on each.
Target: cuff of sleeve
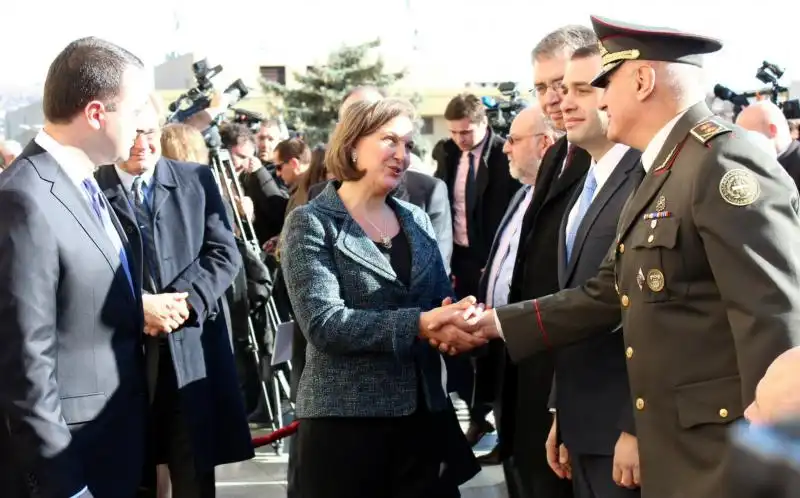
(406, 331)
(499, 327)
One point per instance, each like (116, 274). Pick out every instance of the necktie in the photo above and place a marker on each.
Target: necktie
(585, 200)
(144, 220)
(469, 190)
(101, 210)
(569, 158)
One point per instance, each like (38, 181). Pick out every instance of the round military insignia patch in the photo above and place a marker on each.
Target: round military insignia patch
(655, 280)
(739, 187)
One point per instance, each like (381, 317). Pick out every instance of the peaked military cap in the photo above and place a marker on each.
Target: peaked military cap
(620, 42)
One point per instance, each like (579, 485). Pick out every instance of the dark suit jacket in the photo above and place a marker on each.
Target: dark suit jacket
(72, 392)
(197, 254)
(790, 160)
(593, 397)
(525, 418)
(494, 189)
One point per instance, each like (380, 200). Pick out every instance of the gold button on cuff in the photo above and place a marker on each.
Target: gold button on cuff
(639, 404)
(651, 238)
(622, 248)
(723, 413)
(625, 301)
(629, 352)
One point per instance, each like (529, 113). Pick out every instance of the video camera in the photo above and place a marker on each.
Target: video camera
(250, 119)
(769, 74)
(199, 98)
(501, 113)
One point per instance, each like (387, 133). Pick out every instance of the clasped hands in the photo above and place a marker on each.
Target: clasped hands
(164, 313)
(459, 327)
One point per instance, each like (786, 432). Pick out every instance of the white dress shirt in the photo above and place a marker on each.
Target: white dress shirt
(602, 171)
(657, 143)
(127, 179)
(502, 269)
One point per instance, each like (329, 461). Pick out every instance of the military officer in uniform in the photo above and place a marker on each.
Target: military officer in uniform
(704, 273)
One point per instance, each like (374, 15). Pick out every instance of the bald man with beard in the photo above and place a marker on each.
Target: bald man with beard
(766, 118)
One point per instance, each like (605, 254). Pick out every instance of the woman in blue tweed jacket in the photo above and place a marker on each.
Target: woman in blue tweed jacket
(363, 270)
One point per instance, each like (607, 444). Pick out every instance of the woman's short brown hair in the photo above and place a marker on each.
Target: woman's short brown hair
(360, 119)
(182, 142)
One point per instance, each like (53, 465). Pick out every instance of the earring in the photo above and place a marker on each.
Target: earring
(354, 156)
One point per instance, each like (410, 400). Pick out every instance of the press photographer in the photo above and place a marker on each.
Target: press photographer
(269, 200)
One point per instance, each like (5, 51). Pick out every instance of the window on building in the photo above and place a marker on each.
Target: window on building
(274, 73)
(427, 125)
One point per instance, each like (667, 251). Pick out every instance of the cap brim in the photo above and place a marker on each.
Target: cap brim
(601, 80)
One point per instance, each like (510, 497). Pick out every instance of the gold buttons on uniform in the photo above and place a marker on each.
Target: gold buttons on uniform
(629, 352)
(723, 413)
(622, 248)
(639, 404)
(625, 301)
(651, 238)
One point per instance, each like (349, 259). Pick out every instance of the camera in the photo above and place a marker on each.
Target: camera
(769, 74)
(250, 119)
(501, 113)
(199, 98)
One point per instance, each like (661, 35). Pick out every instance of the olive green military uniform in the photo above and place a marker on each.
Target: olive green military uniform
(705, 279)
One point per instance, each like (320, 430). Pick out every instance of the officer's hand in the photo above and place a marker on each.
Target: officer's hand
(626, 462)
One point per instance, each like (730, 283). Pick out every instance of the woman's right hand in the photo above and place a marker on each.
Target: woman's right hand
(451, 339)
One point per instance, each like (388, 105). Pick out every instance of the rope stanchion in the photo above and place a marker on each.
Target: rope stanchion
(276, 435)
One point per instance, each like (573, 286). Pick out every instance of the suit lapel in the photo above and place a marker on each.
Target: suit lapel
(74, 201)
(576, 171)
(565, 266)
(656, 177)
(164, 183)
(618, 177)
(115, 193)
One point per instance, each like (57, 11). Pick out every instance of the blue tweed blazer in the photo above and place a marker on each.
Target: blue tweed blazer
(360, 321)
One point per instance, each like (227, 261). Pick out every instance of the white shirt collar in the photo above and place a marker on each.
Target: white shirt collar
(127, 179)
(75, 163)
(607, 163)
(657, 143)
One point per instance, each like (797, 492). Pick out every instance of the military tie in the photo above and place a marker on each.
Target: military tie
(145, 222)
(585, 200)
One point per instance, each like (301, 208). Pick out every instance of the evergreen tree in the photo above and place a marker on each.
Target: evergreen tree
(312, 107)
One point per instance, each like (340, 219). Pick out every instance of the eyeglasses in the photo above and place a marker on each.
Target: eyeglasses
(515, 139)
(541, 88)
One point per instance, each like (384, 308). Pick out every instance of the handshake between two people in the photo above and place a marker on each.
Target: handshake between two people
(165, 313)
(459, 327)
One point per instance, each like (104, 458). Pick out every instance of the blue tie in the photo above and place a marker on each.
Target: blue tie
(100, 208)
(589, 186)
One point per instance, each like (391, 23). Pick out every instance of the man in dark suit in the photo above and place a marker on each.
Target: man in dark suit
(767, 118)
(591, 396)
(525, 417)
(258, 183)
(72, 392)
(182, 243)
(529, 138)
(479, 185)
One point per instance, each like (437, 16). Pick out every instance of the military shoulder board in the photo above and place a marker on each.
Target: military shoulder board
(710, 128)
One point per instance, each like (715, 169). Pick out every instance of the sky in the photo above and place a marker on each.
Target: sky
(455, 43)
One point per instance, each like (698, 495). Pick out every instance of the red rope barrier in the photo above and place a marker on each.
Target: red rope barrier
(276, 435)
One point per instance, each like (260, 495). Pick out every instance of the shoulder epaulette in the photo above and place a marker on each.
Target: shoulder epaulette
(710, 128)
